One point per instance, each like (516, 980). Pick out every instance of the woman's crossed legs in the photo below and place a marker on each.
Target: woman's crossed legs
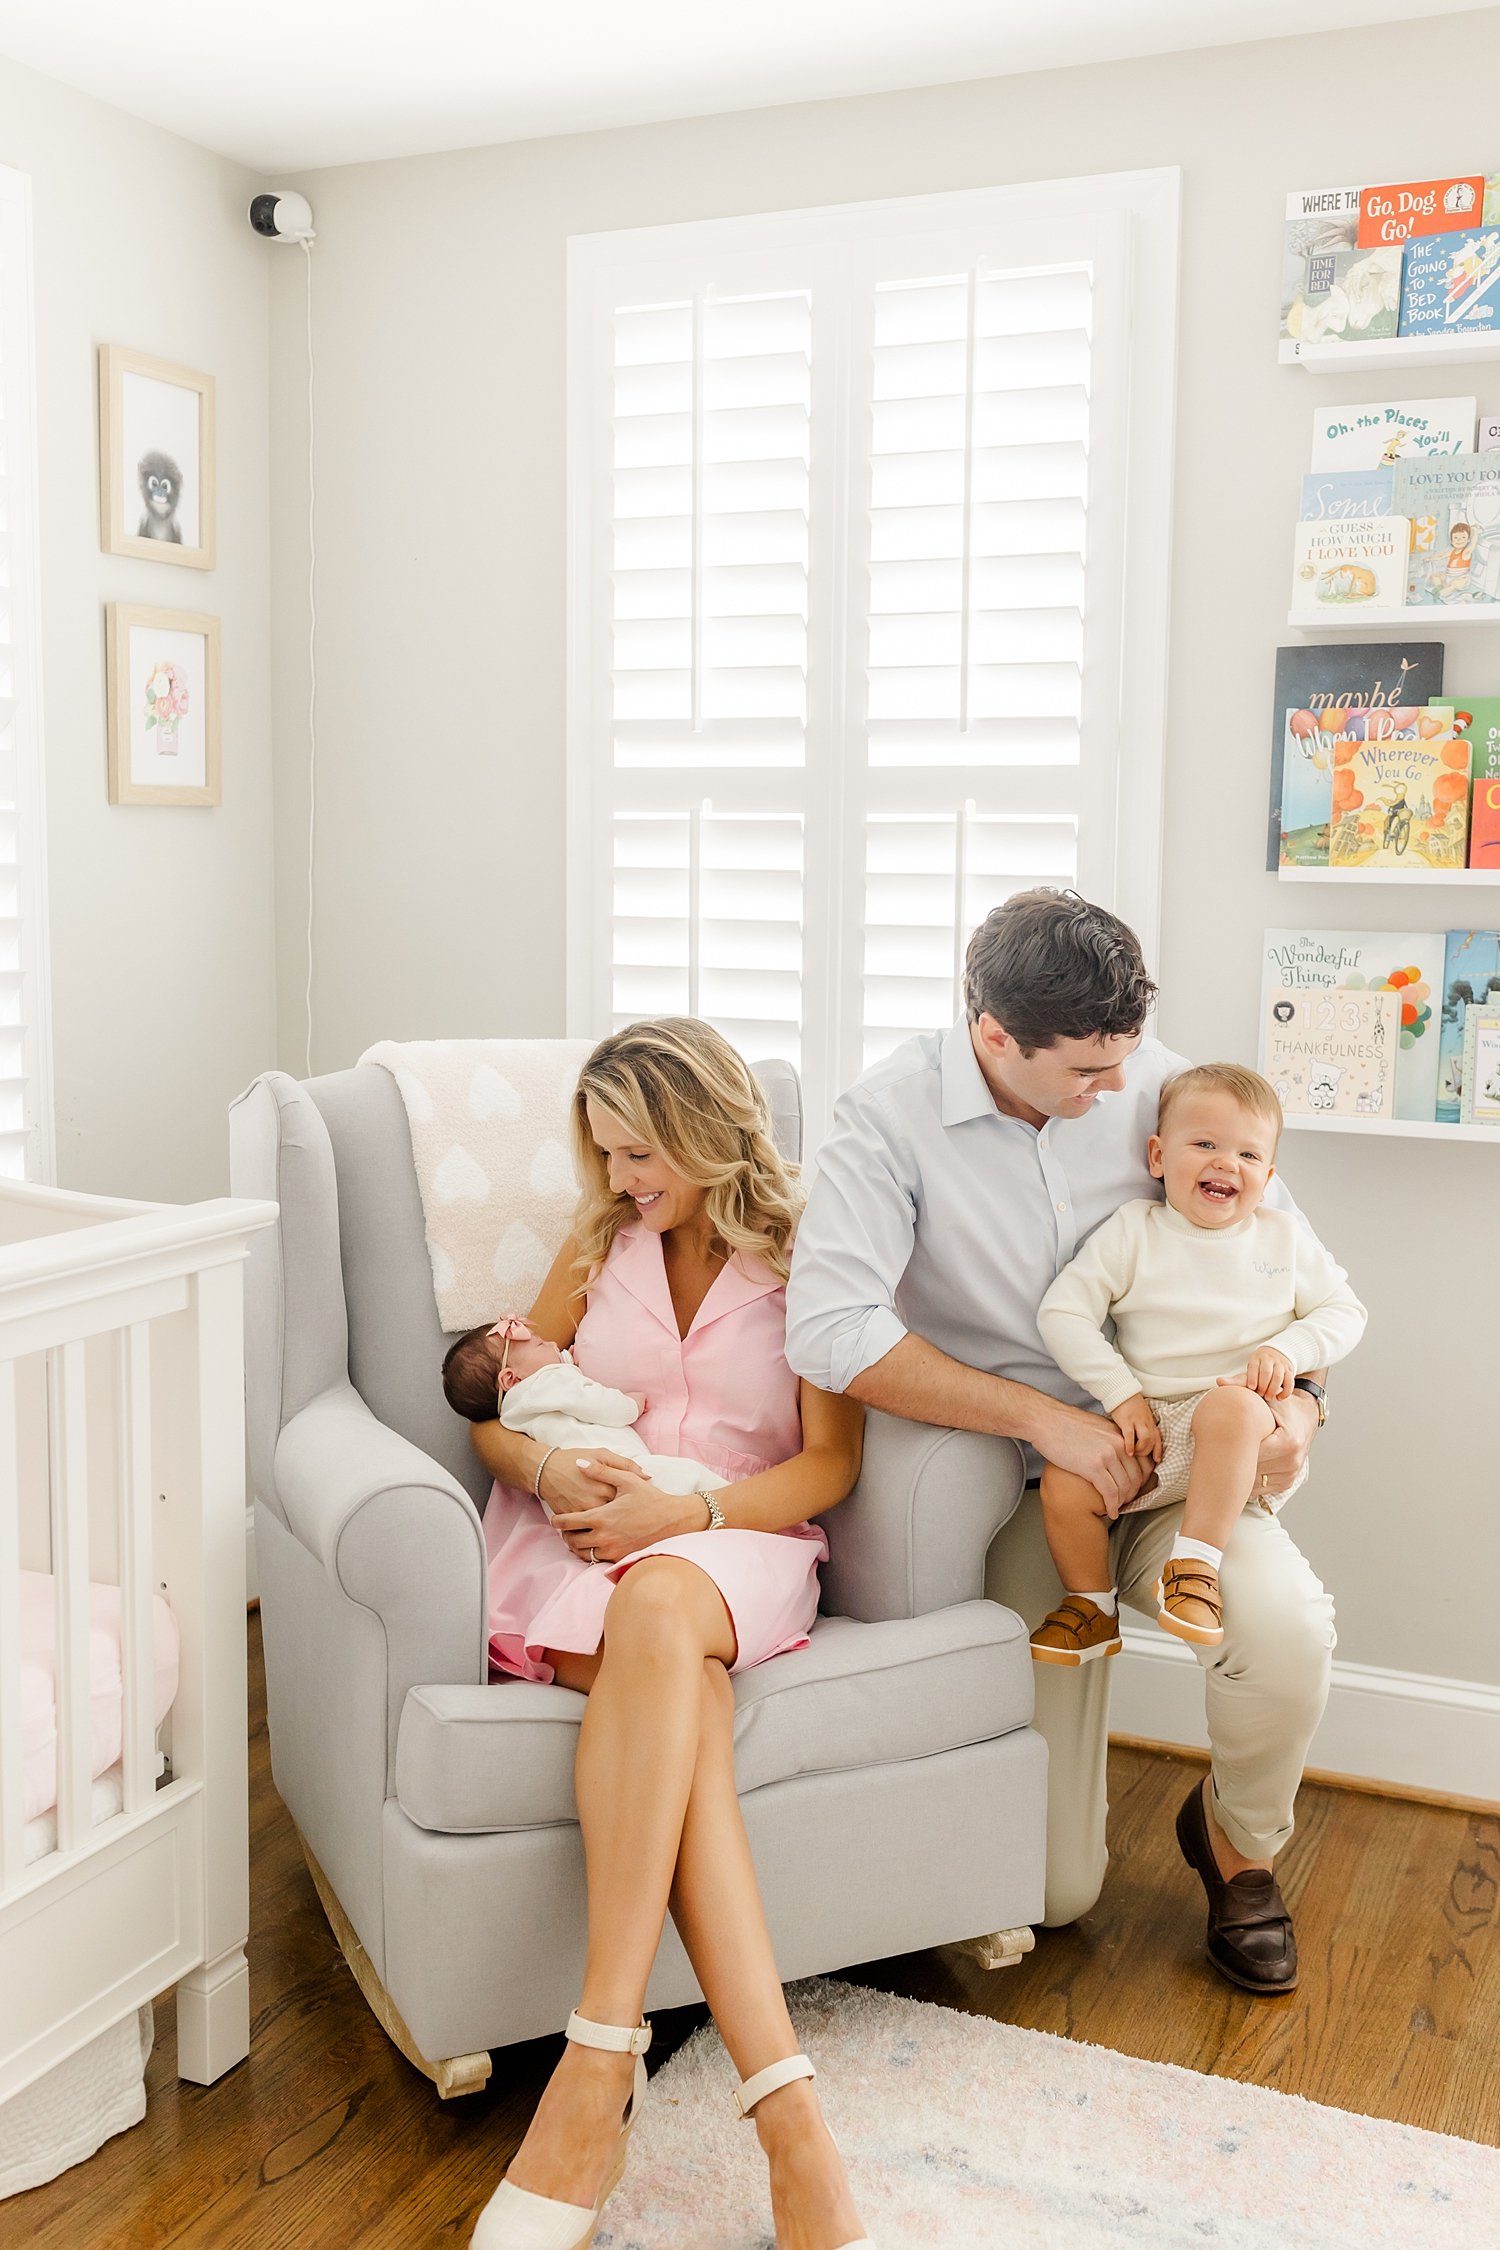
(662, 1826)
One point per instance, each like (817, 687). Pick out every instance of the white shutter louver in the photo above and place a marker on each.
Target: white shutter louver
(978, 484)
(709, 617)
(854, 652)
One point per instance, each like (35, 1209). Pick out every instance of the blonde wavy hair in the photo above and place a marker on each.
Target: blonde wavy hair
(680, 1089)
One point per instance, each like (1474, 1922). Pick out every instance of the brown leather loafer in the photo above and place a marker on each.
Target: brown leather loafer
(1250, 1938)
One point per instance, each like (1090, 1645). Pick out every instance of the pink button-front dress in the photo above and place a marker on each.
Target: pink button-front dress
(723, 1395)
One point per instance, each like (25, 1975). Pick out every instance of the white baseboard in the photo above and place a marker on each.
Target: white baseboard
(252, 1583)
(1406, 1729)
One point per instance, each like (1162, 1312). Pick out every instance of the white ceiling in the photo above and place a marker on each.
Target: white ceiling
(287, 84)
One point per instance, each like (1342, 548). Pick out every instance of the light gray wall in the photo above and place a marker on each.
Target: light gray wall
(441, 479)
(163, 992)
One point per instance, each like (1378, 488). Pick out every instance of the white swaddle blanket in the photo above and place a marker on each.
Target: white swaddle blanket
(562, 1406)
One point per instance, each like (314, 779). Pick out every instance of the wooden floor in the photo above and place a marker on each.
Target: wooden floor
(325, 2137)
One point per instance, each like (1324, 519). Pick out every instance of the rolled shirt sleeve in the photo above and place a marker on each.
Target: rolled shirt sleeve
(854, 1243)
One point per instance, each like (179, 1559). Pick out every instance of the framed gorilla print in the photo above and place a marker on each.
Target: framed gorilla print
(162, 669)
(156, 459)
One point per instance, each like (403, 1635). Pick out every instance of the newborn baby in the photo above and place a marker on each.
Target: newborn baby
(543, 1395)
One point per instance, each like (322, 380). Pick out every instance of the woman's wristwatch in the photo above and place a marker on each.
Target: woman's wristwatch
(716, 1517)
(1316, 1393)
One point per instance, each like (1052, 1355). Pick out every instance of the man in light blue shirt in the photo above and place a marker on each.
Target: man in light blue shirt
(960, 1176)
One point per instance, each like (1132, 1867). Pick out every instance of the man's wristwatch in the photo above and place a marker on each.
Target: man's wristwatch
(1316, 1393)
(716, 1517)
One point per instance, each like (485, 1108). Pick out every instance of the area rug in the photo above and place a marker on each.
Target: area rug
(963, 2133)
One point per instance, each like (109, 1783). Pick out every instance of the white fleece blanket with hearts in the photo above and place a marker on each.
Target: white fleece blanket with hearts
(489, 1138)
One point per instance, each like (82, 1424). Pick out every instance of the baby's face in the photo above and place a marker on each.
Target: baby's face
(526, 1354)
(1214, 1158)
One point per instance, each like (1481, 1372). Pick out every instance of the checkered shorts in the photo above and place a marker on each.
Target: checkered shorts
(1175, 1419)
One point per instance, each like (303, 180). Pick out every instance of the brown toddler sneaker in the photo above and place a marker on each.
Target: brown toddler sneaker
(1077, 1631)
(1188, 1604)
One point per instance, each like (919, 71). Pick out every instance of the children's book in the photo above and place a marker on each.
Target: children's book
(1484, 827)
(1481, 1096)
(1477, 719)
(1328, 676)
(1406, 962)
(1450, 284)
(1317, 755)
(1402, 802)
(1351, 297)
(1334, 494)
(1375, 436)
(1354, 563)
(1321, 223)
(1331, 1052)
(1489, 433)
(1454, 508)
(1413, 209)
(1471, 976)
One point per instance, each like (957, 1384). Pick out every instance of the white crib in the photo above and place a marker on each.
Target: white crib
(122, 1462)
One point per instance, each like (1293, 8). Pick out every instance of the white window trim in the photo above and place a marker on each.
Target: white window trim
(1134, 607)
(18, 375)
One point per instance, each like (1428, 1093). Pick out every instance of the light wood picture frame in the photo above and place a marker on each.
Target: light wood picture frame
(156, 459)
(162, 685)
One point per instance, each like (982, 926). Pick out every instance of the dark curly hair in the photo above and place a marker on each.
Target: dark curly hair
(1048, 965)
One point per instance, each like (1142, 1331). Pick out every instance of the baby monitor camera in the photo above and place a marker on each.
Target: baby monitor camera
(282, 218)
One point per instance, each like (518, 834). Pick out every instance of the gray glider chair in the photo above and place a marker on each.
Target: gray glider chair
(893, 1785)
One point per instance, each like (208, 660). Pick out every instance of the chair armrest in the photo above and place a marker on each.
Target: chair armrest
(394, 1531)
(913, 1534)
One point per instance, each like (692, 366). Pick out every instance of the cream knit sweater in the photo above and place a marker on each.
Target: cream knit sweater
(1190, 1304)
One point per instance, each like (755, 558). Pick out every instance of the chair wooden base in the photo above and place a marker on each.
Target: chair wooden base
(454, 2074)
(1002, 1949)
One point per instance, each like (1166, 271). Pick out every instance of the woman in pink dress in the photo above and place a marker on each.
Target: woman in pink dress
(671, 1288)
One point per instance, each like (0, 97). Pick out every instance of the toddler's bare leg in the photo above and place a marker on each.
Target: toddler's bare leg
(1077, 1528)
(1229, 1428)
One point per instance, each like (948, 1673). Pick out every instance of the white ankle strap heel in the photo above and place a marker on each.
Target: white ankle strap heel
(770, 2081)
(514, 2218)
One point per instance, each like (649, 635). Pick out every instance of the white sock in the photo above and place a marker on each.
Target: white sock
(1106, 1602)
(1195, 1550)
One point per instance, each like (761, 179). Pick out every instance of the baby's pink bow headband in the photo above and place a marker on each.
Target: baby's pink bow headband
(514, 1331)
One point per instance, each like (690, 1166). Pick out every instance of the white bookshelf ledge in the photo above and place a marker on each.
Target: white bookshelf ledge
(1395, 1128)
(1432, 617)
(1451, 878)
(1400, 351)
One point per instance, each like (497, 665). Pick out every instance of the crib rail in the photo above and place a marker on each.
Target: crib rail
(122, 1462)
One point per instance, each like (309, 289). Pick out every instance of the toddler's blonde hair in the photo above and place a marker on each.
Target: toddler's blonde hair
(1247, 1087)
(680, 1089)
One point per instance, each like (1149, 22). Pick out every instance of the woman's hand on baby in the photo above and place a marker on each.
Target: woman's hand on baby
(637, 1516)
(1269, 1372)
(579, 1477)
(1138, 1426)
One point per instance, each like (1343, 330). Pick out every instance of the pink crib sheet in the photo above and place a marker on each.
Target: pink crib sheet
(39, 1683)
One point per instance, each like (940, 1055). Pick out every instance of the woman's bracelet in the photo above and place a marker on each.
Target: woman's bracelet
(536, 1482)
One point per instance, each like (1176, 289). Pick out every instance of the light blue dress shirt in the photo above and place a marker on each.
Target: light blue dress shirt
(933, 1213)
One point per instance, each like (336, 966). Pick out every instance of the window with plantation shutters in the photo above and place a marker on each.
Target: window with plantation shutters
(25, 1048)
(855, 654)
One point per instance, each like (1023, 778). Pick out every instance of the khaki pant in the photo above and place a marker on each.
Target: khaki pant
(1264, 1686)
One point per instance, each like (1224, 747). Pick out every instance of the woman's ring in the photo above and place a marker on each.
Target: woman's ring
(593, 1554)
(1265, 1484)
